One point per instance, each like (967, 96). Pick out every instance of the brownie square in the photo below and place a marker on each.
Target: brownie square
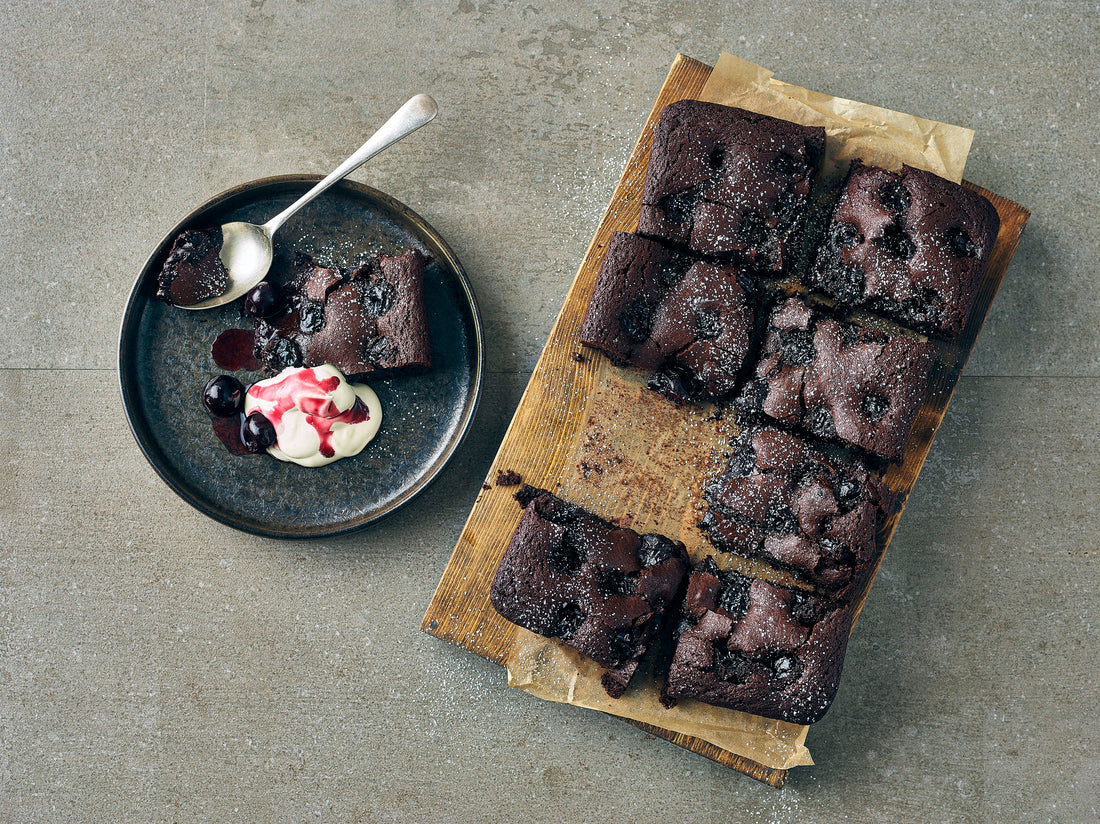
(811, 511)
(839, 381)
(725, 182)
(910, 246)
(601, 589)
(690, 322)
(363, 319)
(753, 646)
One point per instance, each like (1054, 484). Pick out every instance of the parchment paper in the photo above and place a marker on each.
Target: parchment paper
(551, 671)
(854, 130)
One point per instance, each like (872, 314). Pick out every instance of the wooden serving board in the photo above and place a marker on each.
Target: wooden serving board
(592, 433)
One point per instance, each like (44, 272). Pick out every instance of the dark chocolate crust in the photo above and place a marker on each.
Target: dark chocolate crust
(193, 271)
(910, 246)
(839, 381)
(362, 320)
(692, 323)
(726, 182)
(601, 589)
(799, 507)
(756, 647)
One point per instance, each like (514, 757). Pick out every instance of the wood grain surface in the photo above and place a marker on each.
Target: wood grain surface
(592, 433)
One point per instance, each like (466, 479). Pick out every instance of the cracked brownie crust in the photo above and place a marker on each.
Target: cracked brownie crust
(753, 646)
(803, 510)
(692, 323)
(601, 589)
(839, 381)
(910, 246)
(726, 182)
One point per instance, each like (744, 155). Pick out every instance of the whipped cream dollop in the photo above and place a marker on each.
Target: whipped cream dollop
(318, 416)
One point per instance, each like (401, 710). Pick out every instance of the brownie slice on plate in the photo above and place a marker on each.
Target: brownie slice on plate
(753, 646)
(690, 322)
(363, 319)
(601, 589)
(726, 182)
(797, 506)
(910, 246)
(839, 381)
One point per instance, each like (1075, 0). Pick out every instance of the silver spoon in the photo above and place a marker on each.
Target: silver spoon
(247, 249)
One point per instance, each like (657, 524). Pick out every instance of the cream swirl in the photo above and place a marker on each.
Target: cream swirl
(318, 416)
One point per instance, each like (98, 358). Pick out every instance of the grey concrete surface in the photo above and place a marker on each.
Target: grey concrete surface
(156, 666)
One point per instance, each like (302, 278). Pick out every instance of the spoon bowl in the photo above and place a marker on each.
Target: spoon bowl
(246, 253)
(247, 249)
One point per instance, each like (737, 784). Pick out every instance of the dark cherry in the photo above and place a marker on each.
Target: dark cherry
(781, 520)
(265, 299)
(845, 235)
(960, 243)
(636, 320)
(311, 317)
(743, 461)
(566, 555)
(874, 406)
(734, 598)
(819, 420)
(797, 346)
(897, 241)
(786, 668)
(257, 433)
(895, 197)
(847, 489)
(675, 383)
(622, 645)
(223, 396)
(654, 550)
(617, 582)
(569, 620)
(730, 665)
(379, 297)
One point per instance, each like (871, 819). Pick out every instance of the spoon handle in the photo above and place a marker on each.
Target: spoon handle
(415, 113)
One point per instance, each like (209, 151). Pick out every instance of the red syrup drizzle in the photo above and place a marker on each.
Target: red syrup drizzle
(228, 431)
(232, 350)
(309, 394)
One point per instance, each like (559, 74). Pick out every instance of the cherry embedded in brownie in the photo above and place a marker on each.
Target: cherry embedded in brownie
(193, 271)
(362, 320)
(601, 589)
(908, 245)
(756, 647)
(726, 182)
(839, 381)
(692, 323)
(810, 510)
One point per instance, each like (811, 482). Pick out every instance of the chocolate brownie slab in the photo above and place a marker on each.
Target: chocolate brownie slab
(726, 182)
(806, 509)
(910, 246)
(692, 323)
(363, 319)
(601, 589)
(753, 646)
(839, 381)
